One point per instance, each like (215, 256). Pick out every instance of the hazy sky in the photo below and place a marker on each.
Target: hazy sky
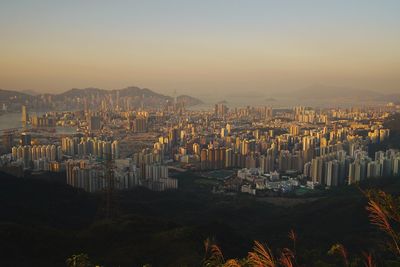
(199, 47)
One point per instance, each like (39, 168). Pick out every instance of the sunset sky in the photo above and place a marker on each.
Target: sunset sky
(199, 47)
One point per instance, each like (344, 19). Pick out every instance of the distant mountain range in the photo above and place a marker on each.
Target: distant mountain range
(8, 95)
(127, 92)
(318, 95)
(340, 96)
(142, 95)
(188, 100)
(30, 92)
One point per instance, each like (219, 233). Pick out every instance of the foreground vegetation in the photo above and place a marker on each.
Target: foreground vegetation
(384, 213)
(43, 223)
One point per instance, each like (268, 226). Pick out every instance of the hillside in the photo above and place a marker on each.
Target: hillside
(168, 228)
(320, 94)
(75, 92)
(71, 99)
(8, 95)
(188, 100)
(328, 91)
(129, 91)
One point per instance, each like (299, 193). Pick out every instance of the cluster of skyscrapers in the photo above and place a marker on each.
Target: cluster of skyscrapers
(123, 174)
(86, 146)
(281, 148)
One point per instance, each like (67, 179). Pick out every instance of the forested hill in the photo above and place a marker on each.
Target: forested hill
(43, 223)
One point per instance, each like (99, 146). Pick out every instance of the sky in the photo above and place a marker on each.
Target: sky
(199, 47)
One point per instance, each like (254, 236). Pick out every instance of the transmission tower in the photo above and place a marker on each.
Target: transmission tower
(109, 206)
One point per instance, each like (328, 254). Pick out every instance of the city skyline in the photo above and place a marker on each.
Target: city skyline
(134, 132)
(264, 46)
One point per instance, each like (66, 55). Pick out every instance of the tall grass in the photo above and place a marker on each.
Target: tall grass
(383, 212)
(261, 256)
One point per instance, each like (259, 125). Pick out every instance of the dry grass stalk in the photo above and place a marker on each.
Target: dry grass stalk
(261, 256)
(341, 250)
(232, 263)
(369, 260)
(287, 258)
(379, 217)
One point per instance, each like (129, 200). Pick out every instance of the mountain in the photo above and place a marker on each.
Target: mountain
(30, 92)
(320, 94)
(72, 98)
(188, 100)
(137, 96)
(143, 94)
(136, 91)
(14, 99)
(129, 91)
(318, 91)
(9, 95)
(75, 92)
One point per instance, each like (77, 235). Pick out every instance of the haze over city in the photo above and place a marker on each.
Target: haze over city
(199, 47)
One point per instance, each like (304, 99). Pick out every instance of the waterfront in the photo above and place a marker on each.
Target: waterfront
(13, 121)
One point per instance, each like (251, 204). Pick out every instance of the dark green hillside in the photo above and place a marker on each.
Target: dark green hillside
(43, 223)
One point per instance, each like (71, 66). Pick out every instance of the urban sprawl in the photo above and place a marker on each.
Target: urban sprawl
(255, 150)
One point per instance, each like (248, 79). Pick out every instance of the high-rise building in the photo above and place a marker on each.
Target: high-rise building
(141, 124)
(332, 172)
(8, 139)
(115, 151)
(196, 149)
(224, 132)
(94, 123)
(228, 128)
(294, 130)
(107, 152)
(204, 159)
(26, 157)
(220, 110)
(25, 139)
(173, 136)
(268, 112)
(24, 113)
